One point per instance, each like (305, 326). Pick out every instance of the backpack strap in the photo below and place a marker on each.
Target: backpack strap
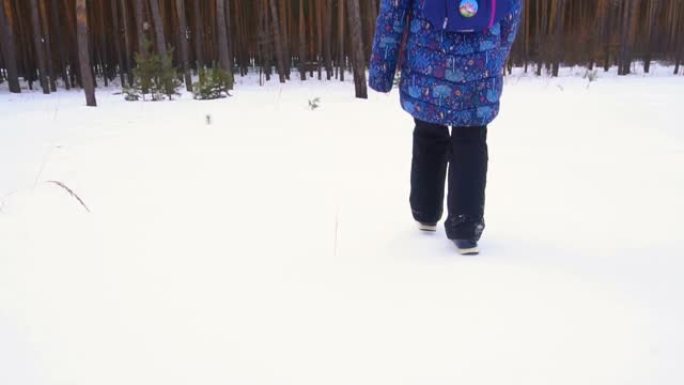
(492, 16)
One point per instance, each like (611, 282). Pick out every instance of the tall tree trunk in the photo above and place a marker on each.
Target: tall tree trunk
(72, 49)
(264, 46)
(158, 27)
(54, 14)
(240, 45)
(45, 24)
(39, 47)
(558, 35)
(280, 57)
(625, 41)
(313, 55)
(678, 58)
(101, 44)
(607, 28)
(183, 42)
(128, 50)
(198, 34)
(340, 38)
(358, 59)
(282, 17)
(678, 37)
(212, 37)
(84, 54)
(8, 50)
(140, 27)
(302, 41)
(25, 46)
(117, 40)
(229, 29)
(650, 28)
(327, 39)
(528, 10)
(319, 36)
(222, 31)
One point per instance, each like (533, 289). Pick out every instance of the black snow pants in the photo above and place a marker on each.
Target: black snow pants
(466, 154)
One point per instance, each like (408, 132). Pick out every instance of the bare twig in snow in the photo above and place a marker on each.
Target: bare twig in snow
(71, 192)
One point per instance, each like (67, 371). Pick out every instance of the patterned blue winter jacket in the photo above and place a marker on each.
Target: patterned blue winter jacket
(449, 78)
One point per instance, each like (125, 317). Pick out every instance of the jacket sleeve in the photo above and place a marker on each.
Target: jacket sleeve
(389, 30)
(510, 25)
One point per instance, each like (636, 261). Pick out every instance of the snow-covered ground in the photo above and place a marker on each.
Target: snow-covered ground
(273, 244)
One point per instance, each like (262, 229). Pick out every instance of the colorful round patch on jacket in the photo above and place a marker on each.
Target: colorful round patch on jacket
(469, 8)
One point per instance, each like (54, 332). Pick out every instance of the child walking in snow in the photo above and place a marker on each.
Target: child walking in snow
(451, 75)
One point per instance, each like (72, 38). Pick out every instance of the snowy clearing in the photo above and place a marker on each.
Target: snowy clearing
(275, 245)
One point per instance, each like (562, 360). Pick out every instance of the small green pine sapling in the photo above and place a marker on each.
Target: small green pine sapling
(153, 75)
(214, 83)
